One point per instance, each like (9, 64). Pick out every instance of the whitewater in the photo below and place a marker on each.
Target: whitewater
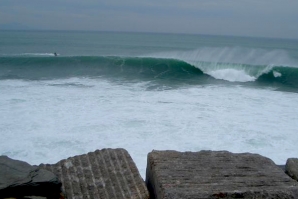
(147, 94)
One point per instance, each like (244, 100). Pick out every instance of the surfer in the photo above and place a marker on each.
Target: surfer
(55, 54)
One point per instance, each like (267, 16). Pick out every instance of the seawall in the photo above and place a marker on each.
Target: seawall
(111, 173)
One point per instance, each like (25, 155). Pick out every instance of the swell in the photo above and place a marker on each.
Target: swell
(144, 68)
(36, 68)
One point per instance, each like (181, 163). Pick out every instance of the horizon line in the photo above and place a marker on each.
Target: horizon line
(145, 32)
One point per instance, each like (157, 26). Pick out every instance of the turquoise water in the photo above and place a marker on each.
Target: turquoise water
(193, 58)
(146, 91)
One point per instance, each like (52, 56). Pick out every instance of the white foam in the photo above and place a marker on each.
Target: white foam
(276, 74)
(231, 75)
(41, 122)
(38, 54)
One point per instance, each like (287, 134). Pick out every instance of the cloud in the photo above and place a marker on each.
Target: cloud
(242, 17)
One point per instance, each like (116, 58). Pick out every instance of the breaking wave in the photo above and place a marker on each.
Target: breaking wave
(174, 67)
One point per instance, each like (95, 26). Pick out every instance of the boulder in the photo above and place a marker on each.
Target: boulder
(216, 174)
(292, 168)
(18, 179)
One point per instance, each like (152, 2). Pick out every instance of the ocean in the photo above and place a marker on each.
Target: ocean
(144, 92)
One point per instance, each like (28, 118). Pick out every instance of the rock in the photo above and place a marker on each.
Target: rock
(283, 167)
(107, 173)
(292, 168)
(18, 178)
(211, 174)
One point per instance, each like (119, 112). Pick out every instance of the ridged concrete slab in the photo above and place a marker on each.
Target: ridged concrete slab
(103, 174)
(211, 174)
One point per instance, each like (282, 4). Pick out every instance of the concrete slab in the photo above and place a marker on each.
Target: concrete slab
(211, 174)
(103, 174)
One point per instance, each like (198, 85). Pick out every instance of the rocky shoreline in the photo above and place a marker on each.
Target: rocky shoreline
(111, 173)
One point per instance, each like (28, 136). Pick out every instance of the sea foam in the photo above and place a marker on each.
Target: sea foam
(45, 121)
(231, 75)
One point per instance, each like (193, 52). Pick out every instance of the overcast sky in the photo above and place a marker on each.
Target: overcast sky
(262, 18)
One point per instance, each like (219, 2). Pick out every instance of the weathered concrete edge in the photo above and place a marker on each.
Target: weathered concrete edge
(150, 181)
(291, 168)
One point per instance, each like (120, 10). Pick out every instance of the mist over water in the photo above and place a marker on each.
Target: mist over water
(151, 92)
(236, 55)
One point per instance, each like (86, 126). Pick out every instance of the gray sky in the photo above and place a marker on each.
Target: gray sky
(263, 18)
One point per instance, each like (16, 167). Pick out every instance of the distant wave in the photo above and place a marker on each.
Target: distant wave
(144, 68)
(29, 55)
(38, 54)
